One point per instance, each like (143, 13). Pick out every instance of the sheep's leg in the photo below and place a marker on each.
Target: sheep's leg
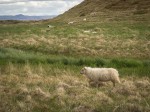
(113, 83)
(91, 83)
(101, 84)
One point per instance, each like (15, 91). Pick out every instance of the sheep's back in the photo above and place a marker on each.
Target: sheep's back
(100, 73)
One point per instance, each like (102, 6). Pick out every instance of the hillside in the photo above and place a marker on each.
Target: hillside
(137, 10)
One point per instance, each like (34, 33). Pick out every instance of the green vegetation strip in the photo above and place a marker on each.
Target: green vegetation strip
(126, 66)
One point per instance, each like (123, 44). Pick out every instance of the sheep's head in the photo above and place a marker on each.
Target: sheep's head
(83, 70)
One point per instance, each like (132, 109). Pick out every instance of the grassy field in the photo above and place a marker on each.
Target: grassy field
(40, 66)
(92, 39)
(60, 88)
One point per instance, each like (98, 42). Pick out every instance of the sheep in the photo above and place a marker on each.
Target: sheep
(71, 22)
(97, 75)
(87, 31)
(94, 32)
(50, 26)
(84, 19)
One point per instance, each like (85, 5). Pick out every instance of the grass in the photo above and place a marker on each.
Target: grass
(125, 66)
(40, 66)
(61, 88)
(108, 29)
(112, 39)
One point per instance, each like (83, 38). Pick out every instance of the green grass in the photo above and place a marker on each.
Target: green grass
(126, 66)
(113, 29)
(122, 30)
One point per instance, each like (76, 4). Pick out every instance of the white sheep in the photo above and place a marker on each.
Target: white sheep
(97, 75)
(87, 31)
(71, 22)
(84, 19)
(50, 26)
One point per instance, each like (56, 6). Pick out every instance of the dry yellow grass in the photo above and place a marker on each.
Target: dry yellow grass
(25, 90)
(84, 45)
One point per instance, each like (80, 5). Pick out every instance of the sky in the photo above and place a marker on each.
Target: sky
(36, 7)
